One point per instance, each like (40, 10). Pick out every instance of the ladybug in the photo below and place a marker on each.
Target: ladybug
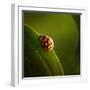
(46, 42)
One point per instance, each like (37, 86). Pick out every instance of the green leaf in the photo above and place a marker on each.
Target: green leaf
(37, 61)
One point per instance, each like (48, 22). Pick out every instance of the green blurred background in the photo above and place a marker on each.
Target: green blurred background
(64, 28)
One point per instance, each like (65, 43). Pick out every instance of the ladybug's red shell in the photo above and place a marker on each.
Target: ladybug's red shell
(46, 42)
